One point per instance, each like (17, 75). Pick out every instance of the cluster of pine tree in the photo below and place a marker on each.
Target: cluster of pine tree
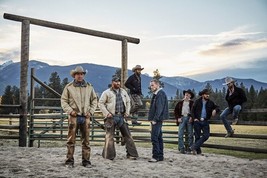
(256, 99)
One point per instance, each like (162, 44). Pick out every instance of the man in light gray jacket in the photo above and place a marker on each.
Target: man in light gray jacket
(79, 101)
(115, 106)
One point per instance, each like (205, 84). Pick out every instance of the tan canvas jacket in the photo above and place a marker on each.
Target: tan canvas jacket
(79, 99)
(107, 101)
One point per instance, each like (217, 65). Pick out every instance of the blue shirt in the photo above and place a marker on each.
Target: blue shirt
(203, 111)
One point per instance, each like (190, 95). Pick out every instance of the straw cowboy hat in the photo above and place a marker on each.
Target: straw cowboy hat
(204, 91)
(78, 69)
(190, 92)
(137, 67)
(228, 80)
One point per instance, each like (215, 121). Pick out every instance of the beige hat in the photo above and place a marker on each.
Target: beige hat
(137, 67)
(78, 69)
(228, 80)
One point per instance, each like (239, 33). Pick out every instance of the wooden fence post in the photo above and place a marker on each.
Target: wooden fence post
(25, 37)
(124, 62)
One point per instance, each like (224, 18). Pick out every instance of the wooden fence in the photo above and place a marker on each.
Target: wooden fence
(54, 126)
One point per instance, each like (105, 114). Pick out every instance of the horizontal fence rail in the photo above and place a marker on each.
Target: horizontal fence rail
(54, 127)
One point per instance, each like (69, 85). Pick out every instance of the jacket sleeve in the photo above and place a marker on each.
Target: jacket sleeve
(102, 104)
(93, 102)
(65, 101)
(128, 83)
(160, 101)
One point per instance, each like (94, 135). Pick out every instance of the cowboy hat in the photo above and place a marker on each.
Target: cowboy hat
(190, 92)
(78, 69)
(137, 67)
(228, 80)
(204, 91)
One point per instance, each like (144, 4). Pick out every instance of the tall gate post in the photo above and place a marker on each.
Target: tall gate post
(25, 36)
(124, 62)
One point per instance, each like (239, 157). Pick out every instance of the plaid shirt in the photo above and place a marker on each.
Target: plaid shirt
(119, 102)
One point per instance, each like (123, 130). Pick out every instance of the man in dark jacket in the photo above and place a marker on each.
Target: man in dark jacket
(158, 112)
(235, 97)
(202, 111)
(182, 113)
(133, 83)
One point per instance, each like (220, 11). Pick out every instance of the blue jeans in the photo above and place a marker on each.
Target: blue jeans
(182, 126)
(226, 112)
(199, 126)
(157, 141)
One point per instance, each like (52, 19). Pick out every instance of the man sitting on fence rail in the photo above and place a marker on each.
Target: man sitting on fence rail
(235, 97)
(115, 106)
(79, 100)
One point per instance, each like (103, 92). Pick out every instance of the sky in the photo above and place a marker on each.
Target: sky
(202, 40)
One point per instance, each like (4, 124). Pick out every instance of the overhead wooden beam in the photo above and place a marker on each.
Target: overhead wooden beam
(71, 28)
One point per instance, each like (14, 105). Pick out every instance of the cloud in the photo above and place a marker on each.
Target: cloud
(232, 46)
(223, 35)
(6, 55)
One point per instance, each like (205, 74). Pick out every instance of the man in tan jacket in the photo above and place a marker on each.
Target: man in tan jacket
(79, 101)
(115, 106)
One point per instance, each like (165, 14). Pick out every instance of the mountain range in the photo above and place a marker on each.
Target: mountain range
(100, 76)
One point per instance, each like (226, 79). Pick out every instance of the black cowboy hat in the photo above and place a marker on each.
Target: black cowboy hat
(204, 91)
(190, 92)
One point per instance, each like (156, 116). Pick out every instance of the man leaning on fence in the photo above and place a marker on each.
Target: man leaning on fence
(184, 120)
(202, 111)
(79, 101)
(115, 106)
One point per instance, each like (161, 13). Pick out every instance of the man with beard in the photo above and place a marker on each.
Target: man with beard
(235, 97)
(115, 106)
(133, 83)
(202, 111)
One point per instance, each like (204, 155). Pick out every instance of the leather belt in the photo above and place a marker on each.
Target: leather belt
(119, 113)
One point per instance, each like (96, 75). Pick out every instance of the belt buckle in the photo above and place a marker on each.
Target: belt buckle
(202, 119)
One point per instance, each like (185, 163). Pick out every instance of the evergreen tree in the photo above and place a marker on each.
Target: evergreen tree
(54, 83)
(64, 83)
(10, 97)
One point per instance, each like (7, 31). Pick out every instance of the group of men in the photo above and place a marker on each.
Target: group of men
(195, 115)
(79, 101)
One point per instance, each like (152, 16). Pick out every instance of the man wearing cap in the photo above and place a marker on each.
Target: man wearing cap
(133, 83)
(79, 101)
(115, 106)
(235, 97)
(202, 111)
(182, 113)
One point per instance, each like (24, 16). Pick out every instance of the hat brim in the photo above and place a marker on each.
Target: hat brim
(73, 72)
(190, 92)
(228, 82)
(134, 69)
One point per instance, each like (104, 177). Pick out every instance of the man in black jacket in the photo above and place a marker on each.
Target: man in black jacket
(202, 111)
(133, 83)
(235, 97)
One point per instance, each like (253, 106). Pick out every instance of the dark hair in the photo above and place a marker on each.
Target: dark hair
(155, 81)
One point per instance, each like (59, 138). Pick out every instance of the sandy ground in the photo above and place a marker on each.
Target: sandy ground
(49, 162)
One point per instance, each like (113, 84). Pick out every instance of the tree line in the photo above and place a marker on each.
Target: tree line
(256, 98)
